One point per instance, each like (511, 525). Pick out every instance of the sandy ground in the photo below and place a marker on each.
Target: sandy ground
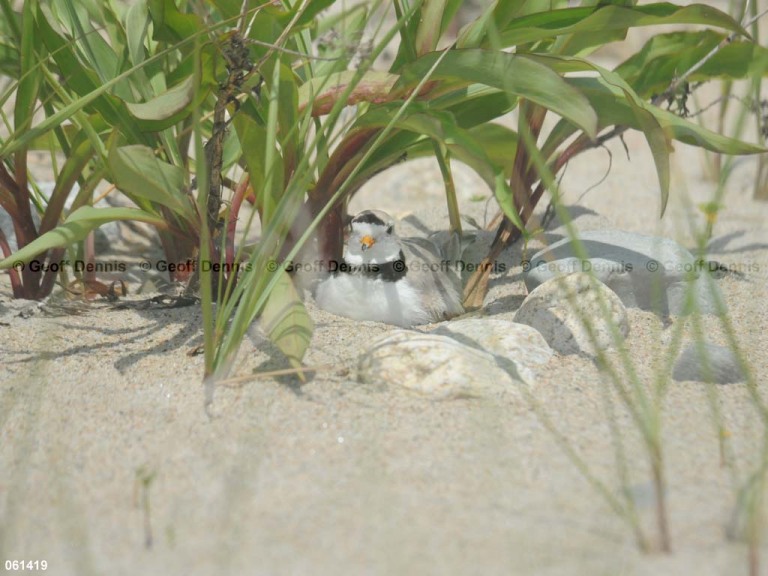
(110, 464)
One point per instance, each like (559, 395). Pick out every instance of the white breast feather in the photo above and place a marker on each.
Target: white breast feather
(364, 298)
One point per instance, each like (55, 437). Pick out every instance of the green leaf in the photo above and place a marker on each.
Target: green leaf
(75, 228)
(80, 79)
(139, 173)
(79, 156)
(462, 145)
(615, 110)
(311, 9)
(499, 144)
(29, 83)
(473, 34)
(430, 26)
(518, 76)
(475, 105)
(136, 24)
(585, 20)
(287, 117)
(253, 139)
(409, 15)
(228, 8)
(662, 58)
(9, 60)
(286, 321)
(660, 150)
(657, 138)
(169, 108)
(170, 24)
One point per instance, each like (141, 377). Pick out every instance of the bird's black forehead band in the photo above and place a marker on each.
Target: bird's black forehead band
(369, 217)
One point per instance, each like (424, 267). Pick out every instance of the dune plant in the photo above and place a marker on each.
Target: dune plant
(267, 89)
(751, 108)
(116, 104)
(642, 401)
(172, 101)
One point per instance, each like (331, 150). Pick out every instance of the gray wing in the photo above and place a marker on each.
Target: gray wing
(434, 277)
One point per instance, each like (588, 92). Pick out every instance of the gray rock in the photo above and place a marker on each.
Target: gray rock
(561, 307)
(646, 272)
(436, 366)
(520, 343)
(707, 362)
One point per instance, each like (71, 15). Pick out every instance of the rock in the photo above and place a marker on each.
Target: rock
(436, 366)
(520, 343)
(646, 272)
(707, 362)
(558, 308)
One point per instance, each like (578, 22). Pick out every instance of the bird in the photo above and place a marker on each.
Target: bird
(385, 278)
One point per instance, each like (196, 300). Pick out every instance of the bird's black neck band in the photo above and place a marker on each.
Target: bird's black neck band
(387, 271)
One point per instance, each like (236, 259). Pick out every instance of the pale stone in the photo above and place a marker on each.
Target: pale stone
(560, 308)
(436, 366)
(520, 343)
(706, 362)
(646, 272)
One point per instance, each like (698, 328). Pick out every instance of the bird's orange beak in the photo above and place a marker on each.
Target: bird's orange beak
(367, 242)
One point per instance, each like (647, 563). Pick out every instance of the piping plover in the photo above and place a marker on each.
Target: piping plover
(401, 281)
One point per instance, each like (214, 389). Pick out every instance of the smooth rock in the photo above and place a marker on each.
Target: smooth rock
(645, 271)
(520, 343)
(713, 363)
(436, 366)
(559, 307)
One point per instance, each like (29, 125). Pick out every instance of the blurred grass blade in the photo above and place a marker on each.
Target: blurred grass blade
(285, 320)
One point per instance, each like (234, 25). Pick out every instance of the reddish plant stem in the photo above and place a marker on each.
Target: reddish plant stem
(21, 216)
(523, 173)
(523, 176)
(46, 285)
(578, 146)
(14, 274)
(89, 254)
(8, 192)
(374, 91)
(234, 213)
(340, 165)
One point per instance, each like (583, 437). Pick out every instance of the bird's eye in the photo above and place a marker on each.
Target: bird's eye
(390, 228)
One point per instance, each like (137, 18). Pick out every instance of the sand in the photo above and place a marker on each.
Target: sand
(110, 462)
